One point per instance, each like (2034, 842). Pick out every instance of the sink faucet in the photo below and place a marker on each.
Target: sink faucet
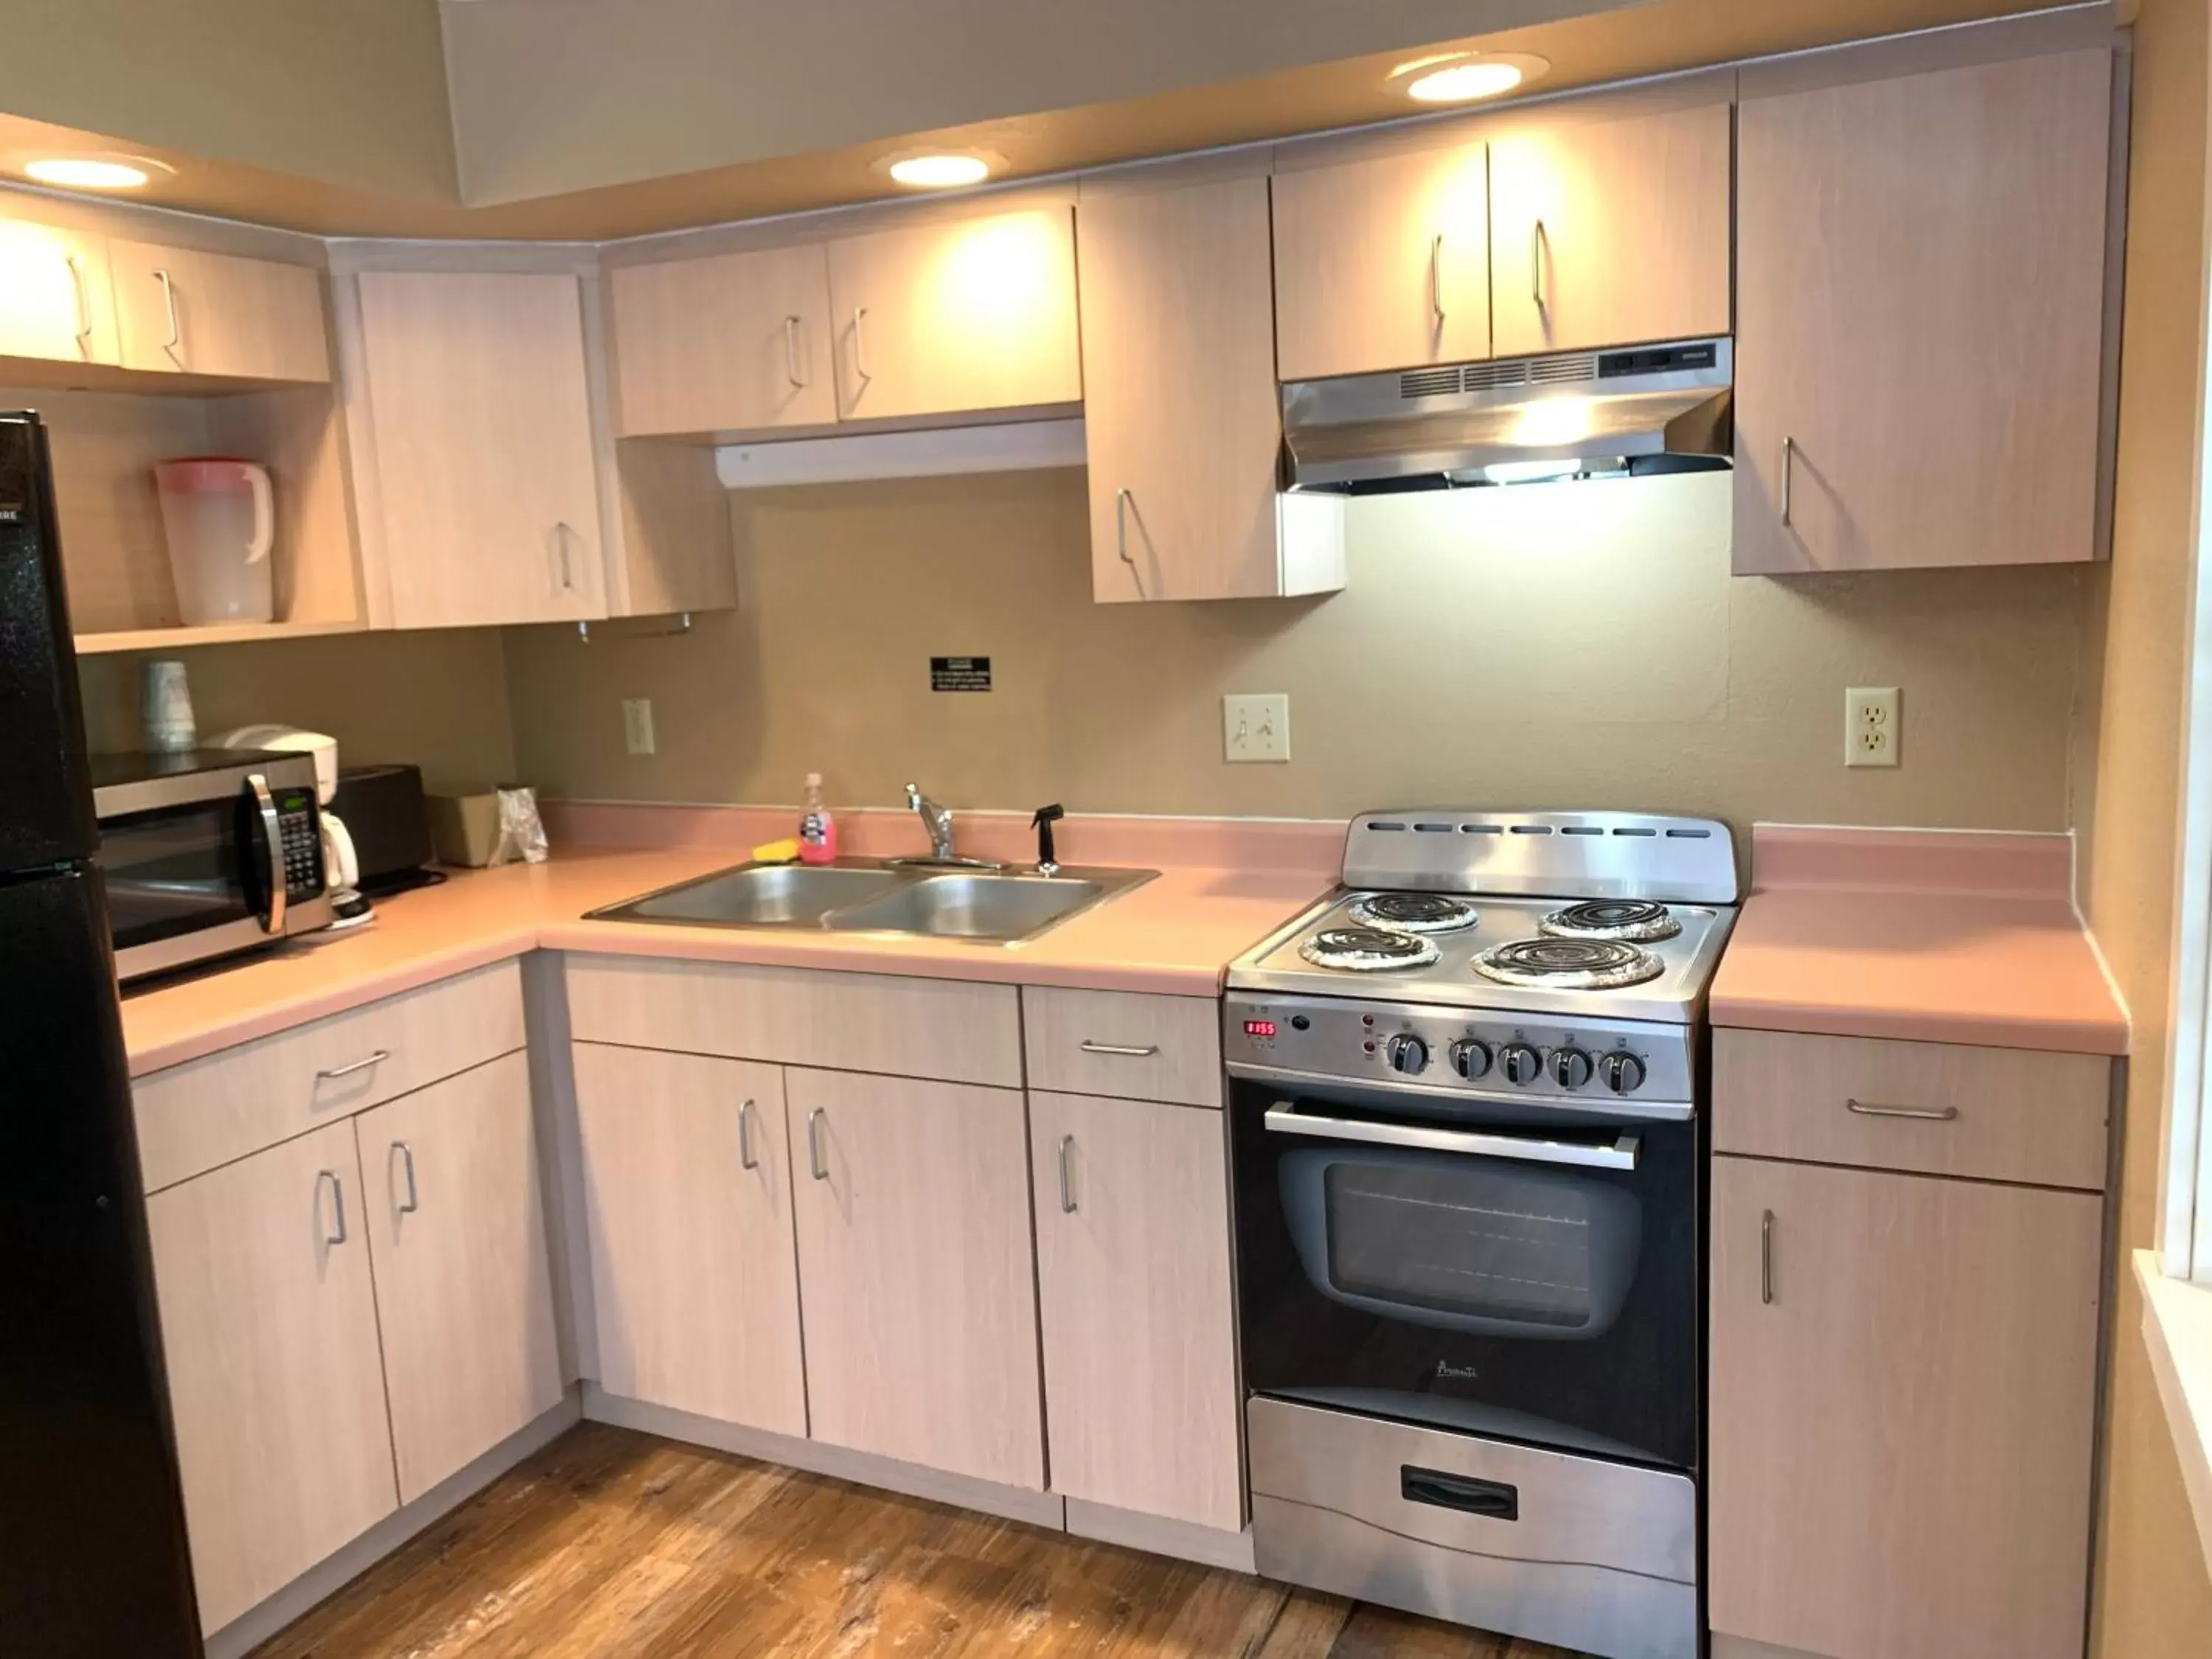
(937, 820)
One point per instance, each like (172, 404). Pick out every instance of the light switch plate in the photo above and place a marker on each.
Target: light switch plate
(1256, 727)
(1870, 727)
(637, 724)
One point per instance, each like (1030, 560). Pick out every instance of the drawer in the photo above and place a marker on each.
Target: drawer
(942, 1029)
(2021, 1114)
(195, 1117)
(1124, 1043)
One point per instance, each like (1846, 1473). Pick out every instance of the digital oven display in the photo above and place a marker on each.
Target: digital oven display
(1259, 1028)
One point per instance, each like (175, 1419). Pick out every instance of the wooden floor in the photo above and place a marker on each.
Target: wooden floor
(612, 1543)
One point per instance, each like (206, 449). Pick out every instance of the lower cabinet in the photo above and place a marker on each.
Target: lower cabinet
(268, 1323)
(1904, 1380)
(695, 1279)
(913, 1211)
(1134, 1297)
(456, 1228)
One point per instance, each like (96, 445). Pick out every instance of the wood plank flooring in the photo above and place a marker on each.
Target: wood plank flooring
(609, 1543)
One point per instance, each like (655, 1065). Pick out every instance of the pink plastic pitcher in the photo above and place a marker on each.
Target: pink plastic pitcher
(219, 516)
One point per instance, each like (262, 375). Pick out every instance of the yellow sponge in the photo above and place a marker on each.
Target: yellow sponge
(777, 852)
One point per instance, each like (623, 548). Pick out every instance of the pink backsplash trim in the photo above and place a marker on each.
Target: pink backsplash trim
(1957, 863)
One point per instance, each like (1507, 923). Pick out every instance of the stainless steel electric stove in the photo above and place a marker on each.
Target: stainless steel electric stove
(1466, 1113)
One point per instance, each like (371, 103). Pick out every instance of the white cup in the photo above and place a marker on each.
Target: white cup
(165, 709)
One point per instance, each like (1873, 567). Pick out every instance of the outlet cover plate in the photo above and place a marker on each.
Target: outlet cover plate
(1255, 727)
(1870, 726)
(637, 724)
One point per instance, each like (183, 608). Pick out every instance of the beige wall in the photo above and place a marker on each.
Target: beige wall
(437, 699)
(2153, 1595)
(1543, 645)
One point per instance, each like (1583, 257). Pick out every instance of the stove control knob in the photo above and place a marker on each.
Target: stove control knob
(1623, 1072)
(1571, 1068)
(1520, 1063)
(1408, 1053)
(1470, 1059)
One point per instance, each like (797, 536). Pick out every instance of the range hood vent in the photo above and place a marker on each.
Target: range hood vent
(1612, 408)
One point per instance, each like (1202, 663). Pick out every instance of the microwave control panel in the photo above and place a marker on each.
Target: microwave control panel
(302, 842)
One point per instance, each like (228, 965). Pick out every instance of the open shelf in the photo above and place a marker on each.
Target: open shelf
(179, 638)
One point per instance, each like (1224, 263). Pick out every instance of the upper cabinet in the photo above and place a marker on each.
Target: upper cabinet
(54, 298)
(1181, 424)
(1920, 306)
(485, 471)
(1609, 231)
(945, 318)
(1383, 263)
(739, 342)
(179, 311)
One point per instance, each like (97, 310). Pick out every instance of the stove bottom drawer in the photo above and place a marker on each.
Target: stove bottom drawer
(1574, 1550)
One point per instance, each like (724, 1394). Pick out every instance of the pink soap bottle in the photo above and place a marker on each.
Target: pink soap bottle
(817, 831)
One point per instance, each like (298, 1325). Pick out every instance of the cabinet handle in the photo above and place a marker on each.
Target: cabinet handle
(1122, 539)
(861, 345)
(176, 329)
(1067, 1184)
(83, 308)
(1134, 1052)
(746, 1157)
(332, 1074)
(1537, 238)
(406, 1154)
(1766, 1257)
(1928, 1114)
(1436, 279)
(1789, 466)
(814, 1146)
(337, 1204)
(791, 352)
(561, 556)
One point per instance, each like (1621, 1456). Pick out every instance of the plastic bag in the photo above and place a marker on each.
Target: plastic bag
(521, 831)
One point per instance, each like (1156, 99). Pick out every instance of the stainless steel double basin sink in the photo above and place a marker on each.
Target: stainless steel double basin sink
(918, 898)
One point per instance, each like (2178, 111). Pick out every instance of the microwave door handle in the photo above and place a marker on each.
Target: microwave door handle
(273, 835)
(1284, 1118)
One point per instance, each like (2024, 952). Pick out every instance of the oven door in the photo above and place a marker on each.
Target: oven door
(1486, 1273)
(192, 878)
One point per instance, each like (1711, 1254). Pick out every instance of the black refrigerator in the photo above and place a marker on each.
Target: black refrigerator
(92, 1560)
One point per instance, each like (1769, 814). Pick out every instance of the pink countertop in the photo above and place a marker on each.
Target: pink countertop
(1173, 934)
(1931, 936)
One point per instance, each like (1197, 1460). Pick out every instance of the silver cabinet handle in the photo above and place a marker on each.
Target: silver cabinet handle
(406, 1154)
(814, 1146)
(272, 830)
(1537, 238)
(1766, 1257)
(1121, 536)
(861, 345)
(1927, 1113)
(337, 1204)
(176, 329)
(791, 352)
(565, 576)
(1134, 1052)
(1284, 1118)
(332, 1074)
(83, 308)
(1066, 1185)
(1788, 466)
(1436, 278)
(746, 1156)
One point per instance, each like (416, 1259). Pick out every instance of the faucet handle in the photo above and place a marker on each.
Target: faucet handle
(913, 796)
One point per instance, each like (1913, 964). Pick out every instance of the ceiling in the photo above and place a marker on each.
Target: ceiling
(593, 119)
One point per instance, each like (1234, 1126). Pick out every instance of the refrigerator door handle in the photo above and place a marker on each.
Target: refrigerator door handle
(272, 835)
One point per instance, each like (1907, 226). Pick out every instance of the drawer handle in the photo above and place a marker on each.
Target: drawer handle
(1066, 1185)
(814, 1146)
(1130, 1051)
(1766, 1257)
(1492, 1498)
(337, 1204)
(746, 1156)
(1926, 1114)
(333, 1073)
(401, 1150)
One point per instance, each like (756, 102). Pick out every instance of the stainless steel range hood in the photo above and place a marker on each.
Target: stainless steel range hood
(1454, 422)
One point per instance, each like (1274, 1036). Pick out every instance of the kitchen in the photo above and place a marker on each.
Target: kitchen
(776, 594)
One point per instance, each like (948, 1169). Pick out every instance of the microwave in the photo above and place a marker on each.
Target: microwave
(207, 853)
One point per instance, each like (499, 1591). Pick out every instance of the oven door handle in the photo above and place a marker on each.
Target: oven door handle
(1284, 1118)
(272, 833)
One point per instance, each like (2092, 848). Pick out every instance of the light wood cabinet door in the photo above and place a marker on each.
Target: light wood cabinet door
(1904, 1381)
(1181, 419)
(55, 301)
(1920, 306)
(687, 1195)
(1133, 1292)
(179, 311)
(1608, 232)
(972, 314)
(481, 412)
(456, 1228)
(268, 1330)
(1383, 263)
(915, 1272)
(737, 343)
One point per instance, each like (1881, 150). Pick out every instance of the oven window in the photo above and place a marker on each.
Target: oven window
(173, 871)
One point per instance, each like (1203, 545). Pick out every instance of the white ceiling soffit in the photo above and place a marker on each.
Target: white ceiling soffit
(551, 96)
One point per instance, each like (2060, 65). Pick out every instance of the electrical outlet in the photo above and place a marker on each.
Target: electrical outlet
(637, 724)
(1870, 727)
(1256, 728)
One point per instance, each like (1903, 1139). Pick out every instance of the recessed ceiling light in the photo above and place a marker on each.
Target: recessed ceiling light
(940, 172)
(1463, 78)
(93, 172)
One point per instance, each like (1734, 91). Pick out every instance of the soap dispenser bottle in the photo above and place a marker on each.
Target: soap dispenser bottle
(817, 831)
